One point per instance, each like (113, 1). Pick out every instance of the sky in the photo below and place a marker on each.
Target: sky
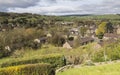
(61, 7)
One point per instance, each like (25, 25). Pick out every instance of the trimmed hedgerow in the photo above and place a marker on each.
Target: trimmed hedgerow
(55, 60)
(30, 69)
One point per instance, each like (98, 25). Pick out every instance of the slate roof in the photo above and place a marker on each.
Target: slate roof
(111, 35)
(86, 40)
(110, 41)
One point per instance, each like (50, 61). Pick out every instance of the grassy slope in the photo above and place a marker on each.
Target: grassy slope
(29, 54)
(111, 69)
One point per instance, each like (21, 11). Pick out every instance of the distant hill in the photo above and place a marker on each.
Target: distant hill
(79, 15)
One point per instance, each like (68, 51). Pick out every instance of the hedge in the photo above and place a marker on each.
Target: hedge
(55, 60)
(31, 69)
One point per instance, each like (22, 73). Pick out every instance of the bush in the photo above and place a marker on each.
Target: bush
(17, 53)
(58, 40)
(71, 38)
(55, 60)
(19, 38)
(75, 60)
(111, 51)
(98, 57)
(89, 63)
(31, 69)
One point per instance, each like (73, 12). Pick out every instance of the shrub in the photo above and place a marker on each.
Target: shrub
(98, 57)
(17, 53)
(30, 69)
(58, 40)
(109, 52)
(89, 63)
(19, 38)
(75, 60)
(55, 60)
(71, 38)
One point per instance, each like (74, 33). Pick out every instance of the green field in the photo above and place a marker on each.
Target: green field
(109, 69)
(31, 54)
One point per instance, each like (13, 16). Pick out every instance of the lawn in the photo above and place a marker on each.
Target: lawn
(109, 69)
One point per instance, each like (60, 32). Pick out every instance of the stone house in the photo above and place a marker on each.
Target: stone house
(91, 30)
(86, 40)
(106, 42)
(108, 36)
(67, 45)
(74, 31)
(118, 30)
(43, 40)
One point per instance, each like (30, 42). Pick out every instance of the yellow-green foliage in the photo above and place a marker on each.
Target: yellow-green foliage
(101, 30)
(111, 69)
(30, 69)
(55, 59)
(102, 27)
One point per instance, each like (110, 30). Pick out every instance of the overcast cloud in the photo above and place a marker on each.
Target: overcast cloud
(61, 7)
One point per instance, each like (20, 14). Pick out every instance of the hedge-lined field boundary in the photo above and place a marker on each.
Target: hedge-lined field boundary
(29, 69)
(55, 60)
